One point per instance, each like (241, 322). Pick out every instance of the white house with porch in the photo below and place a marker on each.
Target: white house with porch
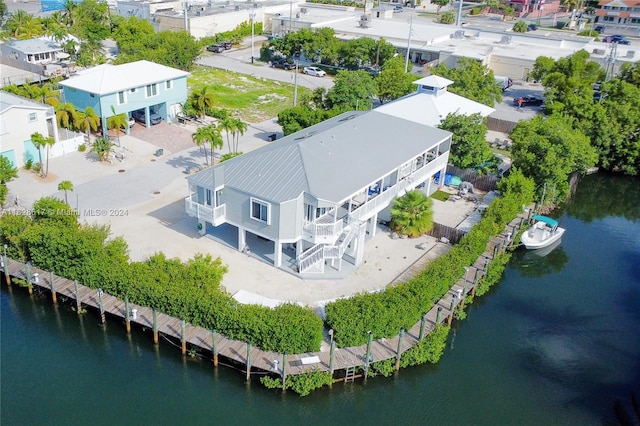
(432, 102)
(316, 195)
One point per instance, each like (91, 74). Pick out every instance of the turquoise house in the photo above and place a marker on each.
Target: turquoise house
(142, 86)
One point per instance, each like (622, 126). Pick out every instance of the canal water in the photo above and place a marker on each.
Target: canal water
(556, 342)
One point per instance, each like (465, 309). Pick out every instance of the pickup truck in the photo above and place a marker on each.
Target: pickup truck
(284, 64)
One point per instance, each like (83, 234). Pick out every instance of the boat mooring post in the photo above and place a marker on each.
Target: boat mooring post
(100, 305)
(127, 314)
(284, 371)
(368, 357)
(5, 267)
(398, 352)
(155, 325)
(423, 324)
(214, 348)
(248, 361)
(332, 350)
(183, 336)
(54, 297)
(78, 303)
(27, 271)
(438, 314)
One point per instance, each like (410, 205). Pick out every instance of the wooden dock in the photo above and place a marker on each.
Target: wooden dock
(241, 352)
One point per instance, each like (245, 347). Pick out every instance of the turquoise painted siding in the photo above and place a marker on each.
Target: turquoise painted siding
(30, 152)
(81, 99)
(9, 155)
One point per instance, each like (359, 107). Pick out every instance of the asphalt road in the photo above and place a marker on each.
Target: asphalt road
(239, 60)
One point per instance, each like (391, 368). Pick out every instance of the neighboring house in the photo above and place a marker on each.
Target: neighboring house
(33, 51)
(432, 102)
(317, 194)
(136, 86)
(19, 119)
(619, 12)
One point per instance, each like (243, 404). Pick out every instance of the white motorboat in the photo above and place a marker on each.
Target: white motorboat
(544, 232)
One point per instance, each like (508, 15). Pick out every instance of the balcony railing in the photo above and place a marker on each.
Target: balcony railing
(216, 216)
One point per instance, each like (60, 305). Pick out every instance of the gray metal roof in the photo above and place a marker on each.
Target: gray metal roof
(9, 100)
(34, 45)
(331, 160)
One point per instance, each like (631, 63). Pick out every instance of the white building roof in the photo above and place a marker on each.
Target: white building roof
(106, 79)
(9, 100)
(34, 45)
(430, 108)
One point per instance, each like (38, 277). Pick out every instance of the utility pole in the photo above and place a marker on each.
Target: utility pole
(252, 15)
(295, 85)
(459, 17)
(406, 59)
(186, 19)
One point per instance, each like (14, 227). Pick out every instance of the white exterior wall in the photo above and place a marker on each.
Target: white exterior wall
(17, 127)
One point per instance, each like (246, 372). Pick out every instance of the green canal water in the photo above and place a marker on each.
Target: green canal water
(556, 342)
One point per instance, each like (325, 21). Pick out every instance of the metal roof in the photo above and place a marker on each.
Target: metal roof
(331, 160)
(34, 45)
(9, 100)
(107, 78)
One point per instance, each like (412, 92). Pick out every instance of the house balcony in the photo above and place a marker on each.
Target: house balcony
(214, 215)
(327, 228)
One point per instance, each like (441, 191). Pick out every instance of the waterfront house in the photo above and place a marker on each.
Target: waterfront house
(142, 86)
(34, 51)
(316, 195)
(432, 102)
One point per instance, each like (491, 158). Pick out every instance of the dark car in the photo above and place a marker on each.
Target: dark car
(617, 38)
(373, 71)
(528, 100)
(397, 8)
(216, 48)
(139, 115)
(227, 45)
(532, 27)
(599, 29)
(283, 63)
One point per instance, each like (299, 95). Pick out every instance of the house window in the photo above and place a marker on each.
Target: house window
(33, 117)
(152, 90)
(260, 211)
(122, 98)
(168, 84)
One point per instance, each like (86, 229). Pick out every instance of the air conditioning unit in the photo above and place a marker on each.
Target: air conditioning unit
(631, 53)
(304, 10)
(365, 21)
(599, 51)
(506, 39)
(458, 34)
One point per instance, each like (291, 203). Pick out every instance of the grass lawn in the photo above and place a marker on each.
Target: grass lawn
(440, 195)
(252, 99)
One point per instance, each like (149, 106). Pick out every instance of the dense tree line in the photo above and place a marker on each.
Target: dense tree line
(53, 239)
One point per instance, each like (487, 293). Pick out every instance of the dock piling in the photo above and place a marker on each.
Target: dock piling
(78, 303)
(183, 336)
(127, 314)
(248, 361)
(155, 325)
(398, 352)
(54, 297)
(423, 323)
(214, 349)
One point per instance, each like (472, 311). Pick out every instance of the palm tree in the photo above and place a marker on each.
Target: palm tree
(68, 12)
(102, 146)
(411, 214)
(88, 121)
(42, 142)
(23, 25)
(65, 186)
(216, 139)
(118, 122)
(239, 128)
(228, 125)
(202, 100)
(65, 114)
(200, 137)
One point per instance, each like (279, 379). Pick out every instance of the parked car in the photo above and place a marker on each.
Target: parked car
(227, 45)
(314, 71)
(139, 115)
(216, 48)
(532, 27)
(529, 100)
(599, 29)
(374, 71)
(617, 38)
(397, 8)
(283, 63)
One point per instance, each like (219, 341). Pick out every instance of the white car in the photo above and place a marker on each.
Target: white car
(315, 71)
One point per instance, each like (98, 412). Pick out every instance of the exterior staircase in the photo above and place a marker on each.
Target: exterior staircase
(314, 258)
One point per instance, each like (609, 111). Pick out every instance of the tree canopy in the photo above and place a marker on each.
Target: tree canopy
(469, 148)
(549, 149)
(472, 80)
(392, 82)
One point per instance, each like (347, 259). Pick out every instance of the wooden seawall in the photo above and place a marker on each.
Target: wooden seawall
(191, 336)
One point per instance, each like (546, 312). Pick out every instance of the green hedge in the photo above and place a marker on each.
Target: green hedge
(385, 313)
(53, 240)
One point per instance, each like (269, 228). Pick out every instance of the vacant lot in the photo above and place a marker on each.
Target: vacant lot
(252, 99)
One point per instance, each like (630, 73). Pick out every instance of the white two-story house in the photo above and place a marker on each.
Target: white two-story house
(318, 192)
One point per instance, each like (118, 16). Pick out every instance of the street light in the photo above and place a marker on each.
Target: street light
(252, 15)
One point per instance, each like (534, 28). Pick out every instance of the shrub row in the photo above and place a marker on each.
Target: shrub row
(53, 240)
(385, 313)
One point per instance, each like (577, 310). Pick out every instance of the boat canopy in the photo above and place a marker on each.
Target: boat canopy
(551, 222)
